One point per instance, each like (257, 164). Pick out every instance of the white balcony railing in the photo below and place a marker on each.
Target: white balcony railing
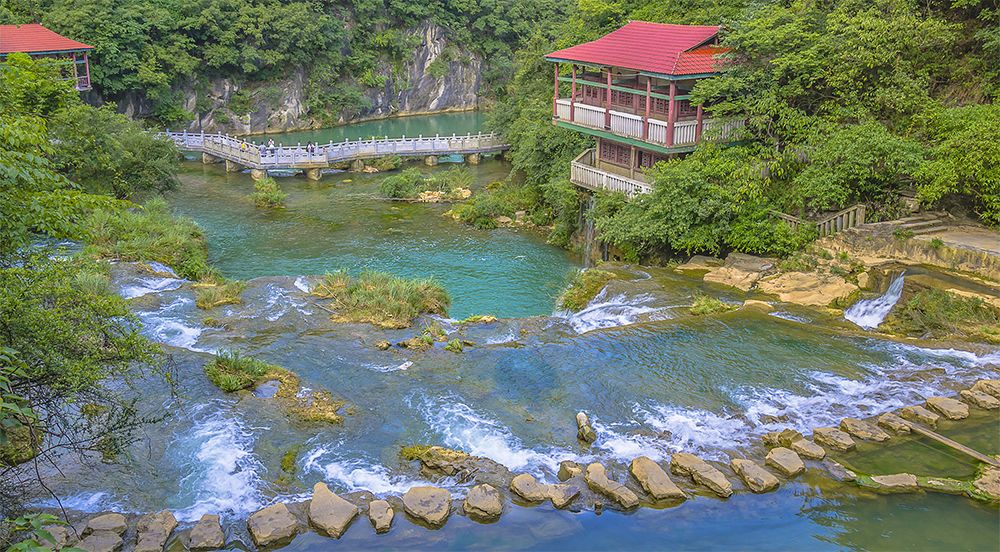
(630, 126)
(585, 173)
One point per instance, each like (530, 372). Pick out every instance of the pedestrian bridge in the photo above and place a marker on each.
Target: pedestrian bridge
(239, 154)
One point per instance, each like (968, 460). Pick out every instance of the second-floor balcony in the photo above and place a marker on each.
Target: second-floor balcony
(588, 172)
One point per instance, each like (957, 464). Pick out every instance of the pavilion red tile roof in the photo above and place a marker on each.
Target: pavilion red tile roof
(34, 38)
(650, 47)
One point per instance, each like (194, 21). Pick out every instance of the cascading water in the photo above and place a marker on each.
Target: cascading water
(869, 313)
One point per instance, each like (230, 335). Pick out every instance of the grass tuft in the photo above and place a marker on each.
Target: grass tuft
(214, 294)
(381, 299)
(230, 371)
(706, 304)
(585, 286)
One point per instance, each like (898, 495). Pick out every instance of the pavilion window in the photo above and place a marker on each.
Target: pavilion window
(613, 152)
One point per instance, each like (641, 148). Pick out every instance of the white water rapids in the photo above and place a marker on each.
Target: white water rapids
(869, 313)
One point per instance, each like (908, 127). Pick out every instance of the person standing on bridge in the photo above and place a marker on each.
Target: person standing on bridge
(270, 145)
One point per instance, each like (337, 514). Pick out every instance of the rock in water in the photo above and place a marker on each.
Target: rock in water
(380, 513)
(948, 407)
(894, 423)
(584, 431)
(101, 541)
(154, 530)
(654, 480)
(701, 472)
(987, 485)
(863, 430)
(207, 534)
(562, 495)
(895, 483)
(785, 461)
(597, 478)
(569, 469)
(757, 478)
(920, 414)
(272, 525)
(805, 447)
(329, 513)
(833, 438)
(113, 522)
(527, 487)
(980, 399)
(781, 438)
(429, 504)
(483, 502)
(990, 387)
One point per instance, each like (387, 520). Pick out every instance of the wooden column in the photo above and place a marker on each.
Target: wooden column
(555, 95)
(671, 113)
(572, 97)
(697, 127)
(86, 66)
(76, 76)
(645, 118)
(607, 107)
(631, 163)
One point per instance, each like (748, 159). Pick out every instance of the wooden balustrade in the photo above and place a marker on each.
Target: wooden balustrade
(830, 224)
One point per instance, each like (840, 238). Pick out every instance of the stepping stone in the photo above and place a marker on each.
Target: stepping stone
(863, 430)
(114, 523)
(569, 469)
(980, 399)
(988, 386)
(701, 472)
(920, 414)
(597, 479)
(330, 513)
(894, 423)
(757, 478)
(429, 504)
(101, 541)
(808, 449)
(654, 480)
(207, 534)
(785, 461)
(380, 513)
(562, 495)
(833, 438)
(154, 530)
(483, 502)
(948, 407)
(527, 487)
(781, 438)
(896, 483)
(272, 525)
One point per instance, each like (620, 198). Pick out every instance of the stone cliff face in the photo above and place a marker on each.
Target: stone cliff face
(454, 84)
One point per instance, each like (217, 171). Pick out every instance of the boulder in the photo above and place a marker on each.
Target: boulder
(154, 530)
(483, 502)
(60, 534)
(895, 483)
(527, 487)
(988, 386)
(272, 525)
(207, 534)
(781, 438)
(444, 460)
(101, 541)
(733, 277)
(562, 495)
(569, 469)
(701, 472)
(380, 513)
(114, 523)
(431, 505)
(330, 513)
(758, 305)
(863, 430)
(816, 289)
(838, 472)
(785, 461)
(949, 408)
(654, 480)
(894, 423)
(597, 479)
(382, 345)
(584, 432)
(833, 438)
(920, 414)
(980, 399)
(808, 449)
(757, 478)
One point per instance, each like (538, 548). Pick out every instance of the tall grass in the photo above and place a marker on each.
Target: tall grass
(230, 371)
(382, 299)
(938, 314)
(586, 284)
(216, 293)
(267, 194)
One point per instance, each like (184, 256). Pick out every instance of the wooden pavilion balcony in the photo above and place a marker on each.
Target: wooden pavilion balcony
(587, 172)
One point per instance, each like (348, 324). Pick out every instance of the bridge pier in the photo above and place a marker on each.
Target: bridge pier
(258, 174)
(232, 166)
(357, 165)
(431, 160)
(208, 158)
(314, 174)
(473, 158)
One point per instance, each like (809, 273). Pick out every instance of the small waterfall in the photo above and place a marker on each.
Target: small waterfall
(588, 233)
(869, 313)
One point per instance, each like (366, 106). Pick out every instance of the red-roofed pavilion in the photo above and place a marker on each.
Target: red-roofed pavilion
(631, 90)
(38, 41)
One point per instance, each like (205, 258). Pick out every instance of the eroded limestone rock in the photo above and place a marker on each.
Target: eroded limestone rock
(569, 469)
(527, 487)
(948, 407)
(154, 530)
(807, 449)
(272, 525)
(781, 438)
(584, 431)
(597, 478)
(113, 522)
(483, 502)
(380, 514)
(562, 495)
(920, 414)
(988, 386)
(833, 438)
(816, 289)
(654, 480)
(980, 399)
(330, 513)
(757, 478)
(701, 472)
(429, 504)
(207, 534)
(987, 485)
(863, 430)
(894, 423)
(895, 483)
(101, 541)
(785, 461)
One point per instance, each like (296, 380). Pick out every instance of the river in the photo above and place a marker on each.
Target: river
(655, 381)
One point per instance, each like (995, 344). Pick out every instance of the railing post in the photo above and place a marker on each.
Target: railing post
(555, 94)
(645, 118)
(607, 108)
(572, 97)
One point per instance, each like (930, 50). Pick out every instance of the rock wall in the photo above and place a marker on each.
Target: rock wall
(281, 106)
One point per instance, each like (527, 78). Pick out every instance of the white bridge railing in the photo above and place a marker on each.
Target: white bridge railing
(260, 156)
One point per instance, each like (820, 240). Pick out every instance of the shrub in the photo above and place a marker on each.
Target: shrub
(213, 295)
(267, 194)
(382, 299)
(705, 304)
(406, 184)
(455, 346)
(937, 314)
(585, 285)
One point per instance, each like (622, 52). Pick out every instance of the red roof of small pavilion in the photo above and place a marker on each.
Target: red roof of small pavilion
(33, 38)
(650, 47)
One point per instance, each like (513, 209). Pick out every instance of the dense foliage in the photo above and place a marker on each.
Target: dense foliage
(845, 101)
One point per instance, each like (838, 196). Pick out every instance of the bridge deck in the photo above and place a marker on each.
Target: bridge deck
(256, 156)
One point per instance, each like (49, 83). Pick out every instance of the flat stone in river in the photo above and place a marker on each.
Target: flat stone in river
(272, 525)
(101, 541)
(207, 534)
(948, 407)
(757, 478)
(429, 504)
(113, 522)
(701, 472)
(896, 483)
(380, 514)
(894, 423)
(863, 430)
(483, 502)
(833, 438)
(154, 530)
(654, 480)
(980, 399)
(785, 461)
(330, 513)
(917, 413)
(808, 449)
(988, 386)
(597, 478)
(527, 487)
